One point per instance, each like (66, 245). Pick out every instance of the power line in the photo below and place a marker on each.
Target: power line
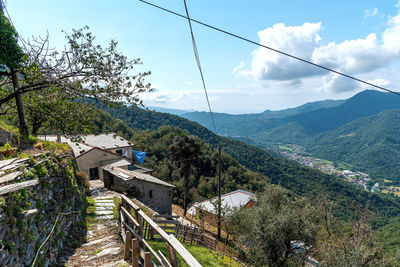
(270, 48)
(196, 54)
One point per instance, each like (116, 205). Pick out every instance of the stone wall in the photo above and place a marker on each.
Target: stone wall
(157, 197)
(28, 215)
(96, 158)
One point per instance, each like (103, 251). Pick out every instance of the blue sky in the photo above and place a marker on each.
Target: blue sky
(361, 38)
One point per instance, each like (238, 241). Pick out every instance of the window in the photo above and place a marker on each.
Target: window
(119, 151)
(151, 193)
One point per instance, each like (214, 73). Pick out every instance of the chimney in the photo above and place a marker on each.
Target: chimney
(114, 135)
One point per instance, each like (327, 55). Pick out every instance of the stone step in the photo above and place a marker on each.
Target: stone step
(106, 252)
(9, 177)
(105, 217)
(104, 208)
(104, 201)
(98, 241)
(6, 162)
(113, 264)
(104, 212)
(104, 198)
(11, 167)
(6, 189)
(104, 205)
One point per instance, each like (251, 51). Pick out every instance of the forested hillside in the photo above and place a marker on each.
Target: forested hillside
(203, 180)
(370, 144)
(295, 125)
(227, 124)
(299, 179)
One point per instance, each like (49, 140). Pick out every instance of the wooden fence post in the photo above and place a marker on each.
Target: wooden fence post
(135, 252)
(128, 242)
(147, 260)
(172, 255)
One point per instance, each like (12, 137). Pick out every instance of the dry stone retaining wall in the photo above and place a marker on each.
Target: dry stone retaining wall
(28, 210)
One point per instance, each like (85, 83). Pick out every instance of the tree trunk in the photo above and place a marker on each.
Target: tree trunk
(186, 186)
(23, 127)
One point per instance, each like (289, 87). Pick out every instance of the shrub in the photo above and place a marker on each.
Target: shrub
(84, 181)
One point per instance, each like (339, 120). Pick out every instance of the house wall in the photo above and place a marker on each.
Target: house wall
(95, 159)
(212, 218)
(160, 201)
(209, 218)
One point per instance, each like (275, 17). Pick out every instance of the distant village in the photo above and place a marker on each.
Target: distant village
(297, 153)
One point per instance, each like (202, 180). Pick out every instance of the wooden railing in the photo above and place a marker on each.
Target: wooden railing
(137, 228)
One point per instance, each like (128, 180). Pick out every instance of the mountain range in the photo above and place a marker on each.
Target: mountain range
(362, 130)
(293, 125)
(300, 180)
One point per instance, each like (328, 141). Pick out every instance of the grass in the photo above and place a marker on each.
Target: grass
(97, 251)
(117, 201)
(204, 256)
(90, 211)
(58, 148)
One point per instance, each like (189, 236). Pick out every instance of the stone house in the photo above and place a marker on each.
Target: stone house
(149, 190)
(95, 151)
(108, 157)
(230, 202)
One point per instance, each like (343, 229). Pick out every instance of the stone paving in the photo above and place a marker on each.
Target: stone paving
(103, 245)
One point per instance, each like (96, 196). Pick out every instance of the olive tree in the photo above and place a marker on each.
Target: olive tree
(279, 228)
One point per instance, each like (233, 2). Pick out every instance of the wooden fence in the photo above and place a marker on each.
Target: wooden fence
(168, 223)
(192, 234)
(137, 228)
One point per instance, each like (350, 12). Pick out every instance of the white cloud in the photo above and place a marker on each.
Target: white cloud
(298, 40)
(338, 83)
(398, 4)
(379, 82)
(161, 97)
(189, 83)
(370, 12)
(357, 56)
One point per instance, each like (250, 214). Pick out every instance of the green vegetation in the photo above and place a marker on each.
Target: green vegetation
(373, 147)
(204, 256)
(202, 180)
(301, 180)
(390, 236)
(184, 150)
(268, 228)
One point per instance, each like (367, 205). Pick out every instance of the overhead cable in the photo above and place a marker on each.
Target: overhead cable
(196, 54)
(270, 48)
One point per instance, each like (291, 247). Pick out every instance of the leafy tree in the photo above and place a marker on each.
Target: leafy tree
(11, 58)
(277, 229)
(53, 111)
(184, 150)
(11, 55)
(83, 70)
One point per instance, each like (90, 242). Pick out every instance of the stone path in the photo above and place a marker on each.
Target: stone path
(103, 245)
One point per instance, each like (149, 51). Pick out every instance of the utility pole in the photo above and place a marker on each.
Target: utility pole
(23, 127)
(219, 191)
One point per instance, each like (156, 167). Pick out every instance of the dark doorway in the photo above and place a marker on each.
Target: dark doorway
(94, 173)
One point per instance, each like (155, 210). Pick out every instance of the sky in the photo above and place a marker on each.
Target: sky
(360, 38)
